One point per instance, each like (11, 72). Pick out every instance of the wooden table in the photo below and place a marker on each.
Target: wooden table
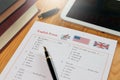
(45, 5)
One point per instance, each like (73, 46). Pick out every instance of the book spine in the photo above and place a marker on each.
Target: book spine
(16, 15)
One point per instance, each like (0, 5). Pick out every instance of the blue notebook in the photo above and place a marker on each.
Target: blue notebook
(4, 4)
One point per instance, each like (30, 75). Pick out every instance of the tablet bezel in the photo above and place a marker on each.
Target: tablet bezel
(90, 25)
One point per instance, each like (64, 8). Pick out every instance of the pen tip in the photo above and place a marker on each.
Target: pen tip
(44, 48)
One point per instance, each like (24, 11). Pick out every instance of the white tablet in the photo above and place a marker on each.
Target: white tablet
(103, 15)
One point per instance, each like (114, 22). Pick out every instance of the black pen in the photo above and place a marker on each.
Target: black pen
(51, 65)
(48, 13)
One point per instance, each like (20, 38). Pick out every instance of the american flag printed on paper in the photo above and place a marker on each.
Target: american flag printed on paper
(101, 45)
(81, 40)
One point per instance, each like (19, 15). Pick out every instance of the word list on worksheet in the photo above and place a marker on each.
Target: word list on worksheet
(74, 58)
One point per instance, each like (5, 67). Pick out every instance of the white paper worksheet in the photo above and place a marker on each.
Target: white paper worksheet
(76, 55)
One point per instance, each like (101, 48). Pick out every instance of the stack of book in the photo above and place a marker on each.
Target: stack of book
(14, 14)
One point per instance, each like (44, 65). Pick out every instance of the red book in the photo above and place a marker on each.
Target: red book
(16, 15)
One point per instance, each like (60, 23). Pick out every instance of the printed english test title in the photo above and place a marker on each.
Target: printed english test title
(47, 33)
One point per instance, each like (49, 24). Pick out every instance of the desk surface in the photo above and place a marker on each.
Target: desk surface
(45, 5)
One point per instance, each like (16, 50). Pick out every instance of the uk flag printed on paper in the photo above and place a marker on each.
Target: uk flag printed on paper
(101, 45)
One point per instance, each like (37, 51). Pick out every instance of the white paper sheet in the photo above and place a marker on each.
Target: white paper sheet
(76, 55)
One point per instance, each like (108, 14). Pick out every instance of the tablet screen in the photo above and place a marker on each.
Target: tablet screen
(105, 13)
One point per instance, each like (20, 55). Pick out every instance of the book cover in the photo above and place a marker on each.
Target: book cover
(11, 9)
(7, 36)
(16, 15)
(5, 4)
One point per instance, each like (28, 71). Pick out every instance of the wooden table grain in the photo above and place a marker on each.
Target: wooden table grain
(44, 5)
